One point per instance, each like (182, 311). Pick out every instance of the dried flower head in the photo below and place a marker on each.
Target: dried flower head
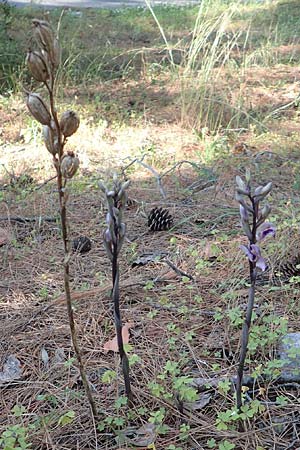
(38, 108)
(69, 165)
(55, 54)
(37, 66)
(50, 139)
(46, 40)
(69, 123)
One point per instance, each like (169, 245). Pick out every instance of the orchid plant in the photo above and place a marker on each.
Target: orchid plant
(256, 228)
(43, 63)
(113, 238)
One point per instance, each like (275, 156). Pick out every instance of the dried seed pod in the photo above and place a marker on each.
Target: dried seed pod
(55, 54)
(38, 108)
(51, 140)
(37, 66)
(69, 123)
(43, 34)
(69, 165)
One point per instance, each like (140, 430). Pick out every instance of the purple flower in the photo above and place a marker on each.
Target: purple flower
(265, 230)
(253, 254)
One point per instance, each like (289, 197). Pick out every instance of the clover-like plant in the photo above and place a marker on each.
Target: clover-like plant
(113, 239)
(43, 63)
(255, 227)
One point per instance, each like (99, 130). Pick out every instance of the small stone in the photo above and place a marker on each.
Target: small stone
(289, 354)
(82, 244)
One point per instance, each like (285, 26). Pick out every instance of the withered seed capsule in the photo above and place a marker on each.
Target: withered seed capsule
(69, 165)
(50, 139)
(69, 123)
(55, 53)
(37, 66)
(43, 34)
(38, 108)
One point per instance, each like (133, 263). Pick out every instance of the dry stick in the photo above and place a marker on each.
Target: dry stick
(63, 217)
(153, 171)
(28, 219)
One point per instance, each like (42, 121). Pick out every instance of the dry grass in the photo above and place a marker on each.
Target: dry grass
(33, 314)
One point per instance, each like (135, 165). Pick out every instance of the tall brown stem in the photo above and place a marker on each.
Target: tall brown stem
(66, 264)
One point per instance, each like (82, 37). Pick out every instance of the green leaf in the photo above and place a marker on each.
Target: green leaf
(18, 411)
(121, 401)
(226, 445)
(211, 443)
(67, 418)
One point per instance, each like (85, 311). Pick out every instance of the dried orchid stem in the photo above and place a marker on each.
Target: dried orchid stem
(63, 217)
(43, 64)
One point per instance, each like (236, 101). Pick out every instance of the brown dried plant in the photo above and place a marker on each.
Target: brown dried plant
(43, 63)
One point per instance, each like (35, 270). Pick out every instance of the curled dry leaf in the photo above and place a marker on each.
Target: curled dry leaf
(143, 437)
(11, 370)
(112, 345)
(203, 400)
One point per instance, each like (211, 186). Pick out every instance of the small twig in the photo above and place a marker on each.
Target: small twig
(156, 175)
(178, 271)
(28, 219)
(179, 164)
(283, 107)
(40, 186)
(153, 171)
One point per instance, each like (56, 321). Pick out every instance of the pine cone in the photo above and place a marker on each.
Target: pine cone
(160, 219)
(82, 244)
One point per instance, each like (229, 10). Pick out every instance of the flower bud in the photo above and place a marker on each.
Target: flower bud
(247, 229)
(241, 186)
(50, 139)
(38, 108)
(37, 66)
(248, 176)
(244, 213)
(107, 241)
(69, 123)
(69, 165)
(266, 189)
(265, 212)
(102, 187)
